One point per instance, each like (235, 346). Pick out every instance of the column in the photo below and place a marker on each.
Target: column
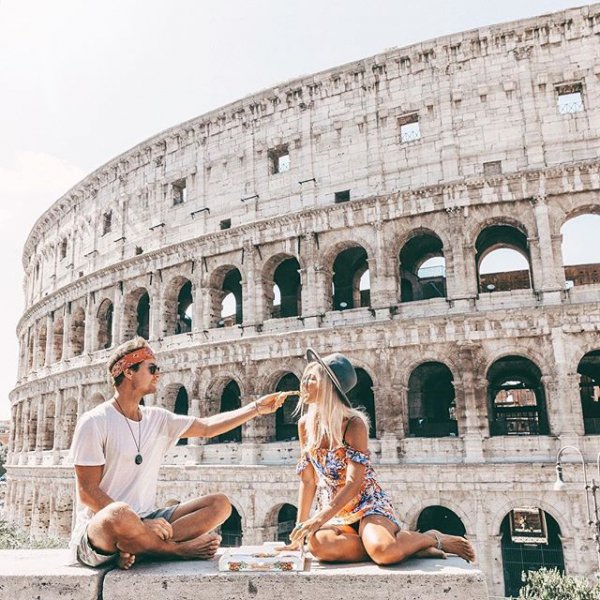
(66, 354)
(58, 409)
(549, 277)
(49, 338)
(117, 317)
(384, 283)
(155, 293)
(91, 324)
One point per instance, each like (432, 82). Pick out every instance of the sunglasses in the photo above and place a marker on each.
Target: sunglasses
(153, 369)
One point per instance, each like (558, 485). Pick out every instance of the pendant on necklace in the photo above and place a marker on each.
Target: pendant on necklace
(138, 459)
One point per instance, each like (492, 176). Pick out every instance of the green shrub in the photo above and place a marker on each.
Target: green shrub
(550, 584)
(11, 538)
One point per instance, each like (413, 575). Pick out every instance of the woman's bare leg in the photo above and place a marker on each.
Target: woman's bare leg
(454, 544)
(337, 544)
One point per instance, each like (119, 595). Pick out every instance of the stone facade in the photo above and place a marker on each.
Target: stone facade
(447, 149)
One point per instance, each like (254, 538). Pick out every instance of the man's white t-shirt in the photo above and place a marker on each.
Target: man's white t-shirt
(103, 436)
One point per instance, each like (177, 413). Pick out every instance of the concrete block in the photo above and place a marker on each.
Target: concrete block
(46, 575)
(416, 579)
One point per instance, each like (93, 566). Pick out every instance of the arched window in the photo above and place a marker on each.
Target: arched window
(41, 346)
(287, 290)
(77, 338)
(69, 419)
(105, 324)
(143, 316)
(361, 396)
(580, 250)
(48, 442)
(502, 259)
(422, 268)
(286, 521)
(184, 309)
(182, 408)
(286, 423)
(516, 398)
(442, 519)
(530, 541)
(431, 402)
(230, 400)
(231, 530)
(589, 391)
(136, 314)
(349, 269)
(226, 297)
(57, 338)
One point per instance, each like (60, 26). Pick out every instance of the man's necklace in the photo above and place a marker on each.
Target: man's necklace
(138, 457)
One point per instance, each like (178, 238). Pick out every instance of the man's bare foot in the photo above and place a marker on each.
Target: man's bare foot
(203, 547)
(125, 560)
(454, 544)
(431, 553)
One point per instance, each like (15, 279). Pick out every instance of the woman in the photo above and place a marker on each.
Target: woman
(355, 519)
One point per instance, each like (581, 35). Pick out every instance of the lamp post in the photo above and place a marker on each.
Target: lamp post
(589, 490)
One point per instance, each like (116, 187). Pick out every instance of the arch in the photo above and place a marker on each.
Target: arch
(77, 336)
(348, 269)
(432, 401)
(516, 397)
(231, 530)
(422, 267)
(520, 530)
(178, 306)
(579, 248)
(286, 521)
(69, 420)
(41, 345)
(136, 314)
(32, 425)
(230, 400)
(362, 396)
(286, 422)
(104, 318)
(57, 339)
(48, 427)
(441, 518)
(282, 286)
(589, 391)
(226, 284)
(182, 407)
(504, 274)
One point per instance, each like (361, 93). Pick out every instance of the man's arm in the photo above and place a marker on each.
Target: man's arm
(217, 424)
(88, 485)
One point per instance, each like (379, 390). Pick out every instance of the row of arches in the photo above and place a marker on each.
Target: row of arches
(516, 404)
(502, 263)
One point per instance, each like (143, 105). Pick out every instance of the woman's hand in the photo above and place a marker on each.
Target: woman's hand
(271, 402)
(306, 529)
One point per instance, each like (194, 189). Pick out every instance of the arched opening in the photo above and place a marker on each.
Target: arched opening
(226, 296)
(441, 518)
(30, 347)
(77, 338)
(185, 304)
(32, 427)
(286, 521)
(143, 316)
(48, 431)
(231, 530)
(105, 324)
(422, 268)
(362, 396)
(230, 400)
(287, 290)
(589, 391)
(580, 250)
(57, 339)
(69, 420)
(516, 398)
(286, 423)
(41, 346)
(502, 259)
(530, 541)
(182, 408)
(431, 401)
(136, 314)
(349, 268)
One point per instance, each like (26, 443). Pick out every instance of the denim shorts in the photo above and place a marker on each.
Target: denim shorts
(92, 557)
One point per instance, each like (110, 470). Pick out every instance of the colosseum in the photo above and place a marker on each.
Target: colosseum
(351, 210)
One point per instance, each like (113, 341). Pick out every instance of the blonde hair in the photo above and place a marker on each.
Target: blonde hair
(324, 419)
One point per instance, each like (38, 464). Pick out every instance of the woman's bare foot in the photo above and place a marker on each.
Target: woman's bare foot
(454, 544)
(125, 560)
(431, 553)
(204, 547)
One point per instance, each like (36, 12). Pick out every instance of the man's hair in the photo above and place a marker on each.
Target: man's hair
(135, 344)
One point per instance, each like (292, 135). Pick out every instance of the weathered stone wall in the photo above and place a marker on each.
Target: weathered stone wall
(479, 97)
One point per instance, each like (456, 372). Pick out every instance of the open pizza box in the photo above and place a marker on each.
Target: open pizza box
(265, 558)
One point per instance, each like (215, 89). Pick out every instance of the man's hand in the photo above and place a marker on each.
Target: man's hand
(271, 402)
(160, 527)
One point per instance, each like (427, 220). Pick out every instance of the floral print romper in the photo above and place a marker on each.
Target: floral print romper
(330, 466)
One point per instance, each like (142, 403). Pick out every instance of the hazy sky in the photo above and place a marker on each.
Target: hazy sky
(82, 81)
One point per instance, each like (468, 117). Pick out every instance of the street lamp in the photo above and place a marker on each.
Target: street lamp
(589, 490)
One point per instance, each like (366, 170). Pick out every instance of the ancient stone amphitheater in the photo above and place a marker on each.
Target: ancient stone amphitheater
(349, 210)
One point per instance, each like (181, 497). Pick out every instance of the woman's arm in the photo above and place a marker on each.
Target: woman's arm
(308, 485)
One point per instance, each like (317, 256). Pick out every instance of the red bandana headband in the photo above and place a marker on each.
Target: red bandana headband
(133, 358)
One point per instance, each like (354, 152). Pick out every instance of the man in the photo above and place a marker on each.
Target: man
(117, 451)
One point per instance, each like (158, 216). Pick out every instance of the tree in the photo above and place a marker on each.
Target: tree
(3, 454)
(551, 584)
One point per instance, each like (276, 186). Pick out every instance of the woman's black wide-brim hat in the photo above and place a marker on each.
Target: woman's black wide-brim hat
(340, 371)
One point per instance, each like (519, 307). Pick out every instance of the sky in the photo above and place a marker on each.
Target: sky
(82, 81)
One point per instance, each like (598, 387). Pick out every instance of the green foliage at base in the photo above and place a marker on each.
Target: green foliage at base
(550, 584)
(3, 455)
(11, 538)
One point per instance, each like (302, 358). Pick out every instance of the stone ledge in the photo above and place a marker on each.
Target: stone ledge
(47, 575)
